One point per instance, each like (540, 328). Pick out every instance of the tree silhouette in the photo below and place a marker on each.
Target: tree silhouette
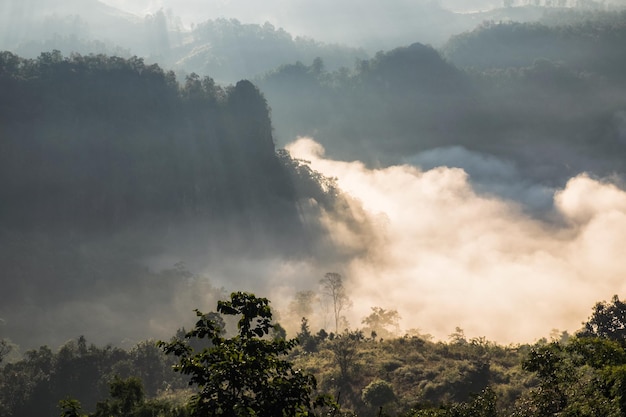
(608, 321)
(244, 375)
(384, 323)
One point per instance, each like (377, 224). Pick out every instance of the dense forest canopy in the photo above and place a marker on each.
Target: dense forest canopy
(111, 140)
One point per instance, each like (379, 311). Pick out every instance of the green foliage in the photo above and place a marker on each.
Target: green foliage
(608, 321)
(583, 377)
(378, 393)
(127, 399)
(345, 350)
(70, 408)
(253, 373)
(246, 374)
(596, 352)
(482, 405)
(153, 368)
(308, 341)
(126, 395)
(81, 372)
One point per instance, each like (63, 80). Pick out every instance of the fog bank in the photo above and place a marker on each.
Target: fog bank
(448, 250)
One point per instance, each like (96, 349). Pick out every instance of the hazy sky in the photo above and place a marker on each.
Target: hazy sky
(255, 10)
(446, 255)
(373, 24)
(274, 10)
(300, 17)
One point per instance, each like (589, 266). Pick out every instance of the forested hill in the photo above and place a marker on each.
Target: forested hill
(552, 102)
(586, 42)
(114, 177)
(96, 142)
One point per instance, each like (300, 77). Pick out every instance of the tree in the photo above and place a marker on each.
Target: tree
(302, 304)
(344, 348)
(126, 399)
(586, 376)
(332, 287)
(307, 340)
(126, 396)
(458, 336)
(608, 321)
(70, 408)
(244, 375)
(385, 323)
(481, 405)
(378, 393)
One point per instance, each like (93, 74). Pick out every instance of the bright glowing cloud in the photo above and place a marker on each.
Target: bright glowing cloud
(445, 254)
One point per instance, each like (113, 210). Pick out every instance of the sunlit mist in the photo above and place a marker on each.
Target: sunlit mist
(446, 255)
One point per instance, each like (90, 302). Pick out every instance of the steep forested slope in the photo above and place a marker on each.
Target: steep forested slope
(98, 141)
(111, 173)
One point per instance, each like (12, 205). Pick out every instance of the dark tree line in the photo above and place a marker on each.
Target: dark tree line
(588, 42)
(514, 90)
(107, 161)
(99, 141)
(34, 385)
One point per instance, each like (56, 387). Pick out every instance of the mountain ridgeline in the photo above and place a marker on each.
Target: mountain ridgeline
(589, 42)
(518, 91)
(96, 142)
(112, 175)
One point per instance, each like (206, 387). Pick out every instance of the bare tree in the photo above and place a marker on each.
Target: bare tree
(332, 287)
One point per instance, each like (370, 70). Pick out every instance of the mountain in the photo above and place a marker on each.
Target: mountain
(229, 50)
(111, 173)
(584, 42)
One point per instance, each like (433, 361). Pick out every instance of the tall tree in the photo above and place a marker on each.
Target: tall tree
(245, 375)
(608, 321)
(332, 287)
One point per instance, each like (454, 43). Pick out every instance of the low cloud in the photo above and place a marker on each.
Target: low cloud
(448, 250)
